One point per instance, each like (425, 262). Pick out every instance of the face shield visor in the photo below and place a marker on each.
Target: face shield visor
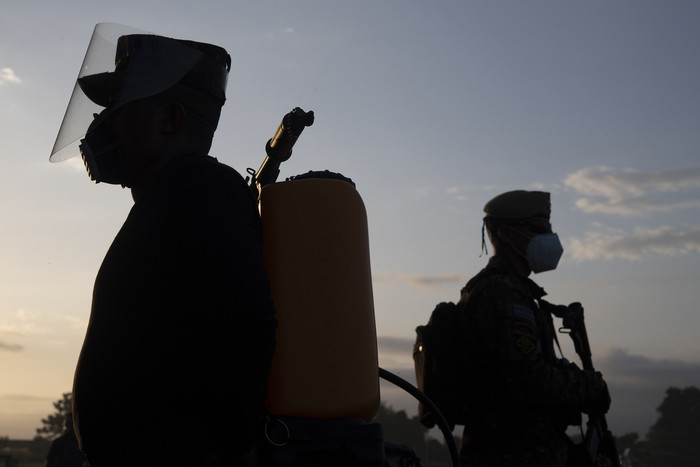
(145, 65)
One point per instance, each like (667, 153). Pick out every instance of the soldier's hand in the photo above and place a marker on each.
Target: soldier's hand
(597, 394)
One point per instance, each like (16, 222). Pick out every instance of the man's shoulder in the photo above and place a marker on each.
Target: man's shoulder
(211, 168)
(206, 175)
(200, 185)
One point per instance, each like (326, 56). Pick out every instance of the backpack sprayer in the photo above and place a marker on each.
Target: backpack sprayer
(323, 389)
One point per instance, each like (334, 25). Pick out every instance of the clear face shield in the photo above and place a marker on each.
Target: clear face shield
(80, 112)
(144, 65)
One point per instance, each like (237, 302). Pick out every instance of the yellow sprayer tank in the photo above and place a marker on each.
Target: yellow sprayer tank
(316, 248)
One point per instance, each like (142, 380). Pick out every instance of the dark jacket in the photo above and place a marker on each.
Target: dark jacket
(181, 331)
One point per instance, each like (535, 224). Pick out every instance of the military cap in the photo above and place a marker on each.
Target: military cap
(519, 204)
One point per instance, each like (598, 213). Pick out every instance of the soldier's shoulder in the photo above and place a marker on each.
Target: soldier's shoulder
(496, 284)
(494, 295)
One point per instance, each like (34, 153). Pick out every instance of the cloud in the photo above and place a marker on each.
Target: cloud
(637, 383)
(395, 345)
(640, 206)
(478, 193)
(634, 193)
(635, 371)
(439, 280)
(642, 242)
(395, 352)
(4, 346)
(618, 183)
(456, 193)
(7, 75)
(21, 322)
(14, 398)
(74, 163)
(25, 323)
(630, 192)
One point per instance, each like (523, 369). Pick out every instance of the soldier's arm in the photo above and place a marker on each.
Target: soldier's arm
(521, 367)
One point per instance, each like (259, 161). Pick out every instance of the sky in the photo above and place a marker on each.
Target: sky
(432, 108)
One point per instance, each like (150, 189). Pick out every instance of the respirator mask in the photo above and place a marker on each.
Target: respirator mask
(100, 152)
(544, 252)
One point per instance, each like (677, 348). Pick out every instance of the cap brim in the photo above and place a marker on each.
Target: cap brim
(101, 88)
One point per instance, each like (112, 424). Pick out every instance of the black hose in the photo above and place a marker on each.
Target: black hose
(441, 422)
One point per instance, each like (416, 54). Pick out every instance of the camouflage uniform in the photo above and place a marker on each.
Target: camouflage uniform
(523, 397)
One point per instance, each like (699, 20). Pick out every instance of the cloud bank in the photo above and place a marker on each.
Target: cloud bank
(442, 279)
(640, 243)
(629, 193)
(438, 280)
(623, 184)
(637, 384)
(24, 325)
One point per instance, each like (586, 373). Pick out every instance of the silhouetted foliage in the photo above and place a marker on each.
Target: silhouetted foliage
(53, 424)
(399, 428)
(673, 440)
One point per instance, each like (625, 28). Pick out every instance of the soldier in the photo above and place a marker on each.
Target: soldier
(178, 348)
(523, 397)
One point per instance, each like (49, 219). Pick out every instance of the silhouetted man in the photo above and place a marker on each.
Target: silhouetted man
(174, 364)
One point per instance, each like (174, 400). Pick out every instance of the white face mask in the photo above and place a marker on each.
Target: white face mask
(543, 252)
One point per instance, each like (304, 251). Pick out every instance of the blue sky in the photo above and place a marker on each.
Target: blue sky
(432, 109)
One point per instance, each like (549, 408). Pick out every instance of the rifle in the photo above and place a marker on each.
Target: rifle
(598, 438)
(279, 148)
